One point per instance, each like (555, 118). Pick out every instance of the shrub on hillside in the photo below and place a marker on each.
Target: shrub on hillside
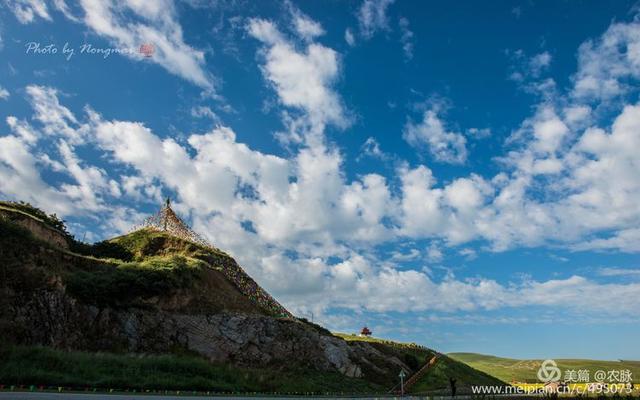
(119, 285)
(50, 219)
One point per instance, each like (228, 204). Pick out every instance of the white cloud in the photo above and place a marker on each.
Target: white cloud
(21, 177)
(372, 17)
(26, 155)
(4, 93)
(434, 253)
(304, 26)
(431, 133)
(528, 71)
(612, 271)
(577, 116)
(406, 39)
(479, 133)
(349, 37)
(302, 80)
(371, 148)
(539, 63)
(412, 255)
(26, 11)
(55, 118)
(204, 112)
(61, 5)
(90, 180)
(468, 253)
(132, 23)
(609, 65)
(627, 240)
(23, 130)
(128, 25)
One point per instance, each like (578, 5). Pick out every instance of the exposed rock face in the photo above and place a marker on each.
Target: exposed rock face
(52, 318)
(37, 308)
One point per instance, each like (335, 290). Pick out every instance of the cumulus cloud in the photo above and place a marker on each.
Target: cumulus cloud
(303, 80)
(55, 118)
(305, 206)
(528, 71)
(609, 65)
(21, 177)
(50, 144)
(432, 135)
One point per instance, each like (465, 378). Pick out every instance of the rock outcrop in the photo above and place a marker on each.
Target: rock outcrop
(37, 307)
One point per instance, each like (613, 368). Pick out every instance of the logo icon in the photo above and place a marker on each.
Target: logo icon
(549, 371)
(147, 49)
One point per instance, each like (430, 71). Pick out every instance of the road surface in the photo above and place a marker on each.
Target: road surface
(103, 396)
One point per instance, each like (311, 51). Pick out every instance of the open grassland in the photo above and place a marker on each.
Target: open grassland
(513, 370)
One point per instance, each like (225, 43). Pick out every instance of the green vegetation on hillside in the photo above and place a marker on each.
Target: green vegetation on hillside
(50, 220)
(370, 339)
(415, 356)
(22, 365)
(465, 375)
(114, 285)
(143, 243)
(101, 282)
(509, 370)
(155, 270)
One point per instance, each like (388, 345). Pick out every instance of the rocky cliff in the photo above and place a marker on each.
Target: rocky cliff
(161, 295)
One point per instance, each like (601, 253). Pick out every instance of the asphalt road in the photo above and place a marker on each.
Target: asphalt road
(102, 396)
(98, 396)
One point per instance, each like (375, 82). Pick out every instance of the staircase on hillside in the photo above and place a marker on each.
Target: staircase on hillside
(415, 377)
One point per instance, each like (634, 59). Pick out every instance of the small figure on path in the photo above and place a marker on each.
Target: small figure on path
(452, 383)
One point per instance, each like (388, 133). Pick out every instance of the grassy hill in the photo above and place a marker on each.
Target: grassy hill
(509, 369)
(437, 379)
(149, 310)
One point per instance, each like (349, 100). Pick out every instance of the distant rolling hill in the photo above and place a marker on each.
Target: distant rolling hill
(510, 370)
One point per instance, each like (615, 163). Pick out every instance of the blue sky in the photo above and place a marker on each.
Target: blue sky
(463, 177)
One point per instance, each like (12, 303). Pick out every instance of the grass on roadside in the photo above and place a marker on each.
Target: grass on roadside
(27, 365)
